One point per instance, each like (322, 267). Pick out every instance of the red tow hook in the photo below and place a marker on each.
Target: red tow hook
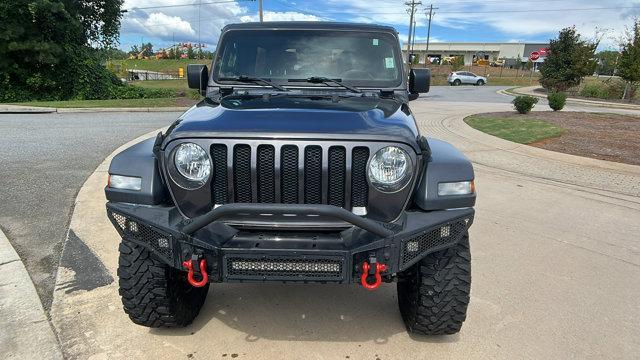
(203, 272)
(365, 273)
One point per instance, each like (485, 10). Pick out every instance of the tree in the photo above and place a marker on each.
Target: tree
(528, 65)
(45, 50)
(570, 59)
(135, 50)
(457, 63)
(629, 62)
(519, 62)
(607, 62)
(109, 53)
(190, 53)
(147, 49)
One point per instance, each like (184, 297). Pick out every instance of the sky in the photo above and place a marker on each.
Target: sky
(162, 22)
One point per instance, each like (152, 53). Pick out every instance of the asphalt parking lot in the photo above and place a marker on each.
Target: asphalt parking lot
(45, 159)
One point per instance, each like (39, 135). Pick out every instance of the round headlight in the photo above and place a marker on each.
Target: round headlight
(192, 163)
(390, 169)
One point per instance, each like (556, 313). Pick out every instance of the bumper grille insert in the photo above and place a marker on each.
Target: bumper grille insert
(419, 245)
(284, 269)
(136, 231)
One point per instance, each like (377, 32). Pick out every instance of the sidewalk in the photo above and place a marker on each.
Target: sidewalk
(18, 109)
(530, 90)
(26, 332)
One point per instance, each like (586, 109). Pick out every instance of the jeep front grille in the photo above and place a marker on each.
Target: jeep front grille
(290, 174)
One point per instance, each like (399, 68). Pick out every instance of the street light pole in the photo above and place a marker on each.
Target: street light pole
(260, 10)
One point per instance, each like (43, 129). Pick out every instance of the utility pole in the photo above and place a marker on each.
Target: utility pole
(260, 10)
(413, 4)
(199, 48)
(430, 15)
(413, 36)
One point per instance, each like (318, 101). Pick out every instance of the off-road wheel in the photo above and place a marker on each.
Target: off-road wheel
(434, 293)
(457, 82)
(154, 294)
(480, 82)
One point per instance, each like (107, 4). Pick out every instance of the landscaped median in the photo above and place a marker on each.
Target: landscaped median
(602, 136)
(180, 96)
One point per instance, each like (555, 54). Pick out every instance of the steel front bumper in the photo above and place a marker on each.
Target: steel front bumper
(274, 253)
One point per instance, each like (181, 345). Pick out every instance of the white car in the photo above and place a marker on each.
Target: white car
(464, 77)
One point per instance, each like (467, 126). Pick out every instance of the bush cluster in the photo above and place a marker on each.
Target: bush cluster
(603, 90)
(557, 100)
(524, 103)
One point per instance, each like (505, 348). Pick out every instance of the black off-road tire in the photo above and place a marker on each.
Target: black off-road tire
(434, 293)
(154, 294)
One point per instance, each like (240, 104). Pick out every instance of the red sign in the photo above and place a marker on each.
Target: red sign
(543, 51)
(534, 56)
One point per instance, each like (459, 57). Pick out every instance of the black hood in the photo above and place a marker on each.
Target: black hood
(285, 116)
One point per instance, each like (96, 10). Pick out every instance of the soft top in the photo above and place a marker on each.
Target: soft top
(308, 25)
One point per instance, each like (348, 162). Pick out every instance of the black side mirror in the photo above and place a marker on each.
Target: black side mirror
(198, 77)
(419, 81)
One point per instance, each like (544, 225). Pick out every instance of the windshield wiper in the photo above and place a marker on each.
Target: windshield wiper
(327, 81)
(254, 80)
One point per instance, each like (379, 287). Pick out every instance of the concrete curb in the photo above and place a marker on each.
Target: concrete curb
(16, 109)
(528, 90)
(26, 332)
(88, 221)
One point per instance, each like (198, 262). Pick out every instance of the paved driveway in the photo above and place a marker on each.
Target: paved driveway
(466, 94)
(556, 274)
(44, 159)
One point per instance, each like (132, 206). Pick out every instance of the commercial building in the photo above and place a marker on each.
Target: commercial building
(471, 51)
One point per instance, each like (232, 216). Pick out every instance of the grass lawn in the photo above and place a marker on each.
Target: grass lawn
(519, 130)
(176, 84)
(162, 65)
(159, 102)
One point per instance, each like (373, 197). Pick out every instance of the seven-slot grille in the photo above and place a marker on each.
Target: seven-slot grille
(290, 174)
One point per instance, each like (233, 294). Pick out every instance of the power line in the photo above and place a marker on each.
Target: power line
(491, 11)
(536, 10)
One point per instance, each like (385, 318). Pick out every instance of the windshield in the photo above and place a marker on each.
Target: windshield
(356, 58)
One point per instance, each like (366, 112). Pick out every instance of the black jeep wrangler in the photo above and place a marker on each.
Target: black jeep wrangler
(302, 164)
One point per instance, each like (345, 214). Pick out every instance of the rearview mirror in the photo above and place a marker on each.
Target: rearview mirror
(419, 81)
(198, 77)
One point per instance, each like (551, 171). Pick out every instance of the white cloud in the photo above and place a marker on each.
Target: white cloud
(160, 24)
(164, 24)
(281, 16)
(456, 16)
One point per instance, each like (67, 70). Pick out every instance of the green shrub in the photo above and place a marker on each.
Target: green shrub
(595, 90)
(524, 103)
(136, 92)
(557, 100)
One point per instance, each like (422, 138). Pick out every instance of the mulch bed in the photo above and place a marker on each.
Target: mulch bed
(602, 136)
